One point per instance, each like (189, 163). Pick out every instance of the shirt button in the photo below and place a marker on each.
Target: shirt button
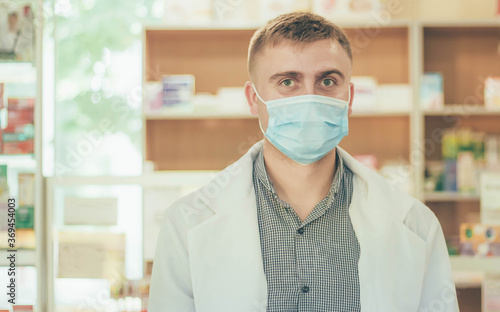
(300, 231)
(305, 289)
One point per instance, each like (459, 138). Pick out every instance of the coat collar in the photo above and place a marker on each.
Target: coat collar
(237, 179)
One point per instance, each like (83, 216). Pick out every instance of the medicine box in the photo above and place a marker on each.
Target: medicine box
(479, 239)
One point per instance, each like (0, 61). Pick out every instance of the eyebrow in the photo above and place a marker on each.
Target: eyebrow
(331, 71)
(295, 74)
(291, 73)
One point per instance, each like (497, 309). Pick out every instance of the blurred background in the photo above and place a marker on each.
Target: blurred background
(111, 110)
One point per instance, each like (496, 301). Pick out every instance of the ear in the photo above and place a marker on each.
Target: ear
(351, 86)
(251, 98)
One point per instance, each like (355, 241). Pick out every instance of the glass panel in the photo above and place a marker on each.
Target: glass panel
(98, 85)
(114, 251)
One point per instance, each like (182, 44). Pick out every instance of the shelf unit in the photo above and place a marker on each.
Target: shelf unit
(207, 141)
(465, 52)
(13, 72)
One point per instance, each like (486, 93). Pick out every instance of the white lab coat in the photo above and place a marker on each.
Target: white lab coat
(208, 256)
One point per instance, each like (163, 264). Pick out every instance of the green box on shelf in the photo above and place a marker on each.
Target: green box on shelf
(25, 217)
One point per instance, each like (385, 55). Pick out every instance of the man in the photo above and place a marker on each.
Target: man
(297, 224)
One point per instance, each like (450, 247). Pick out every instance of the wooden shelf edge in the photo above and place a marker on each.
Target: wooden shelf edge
(490, 265)
(361, 24)
(458, 109)
(449, 196)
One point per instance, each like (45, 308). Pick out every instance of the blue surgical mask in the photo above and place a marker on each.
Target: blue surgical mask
(306, 127)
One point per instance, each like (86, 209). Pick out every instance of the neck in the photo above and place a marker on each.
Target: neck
(301, 186)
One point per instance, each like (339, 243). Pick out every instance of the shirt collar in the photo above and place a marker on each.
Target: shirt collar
(260, 170)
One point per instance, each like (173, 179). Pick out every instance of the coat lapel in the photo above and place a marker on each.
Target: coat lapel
(225, 252)
(392, 259)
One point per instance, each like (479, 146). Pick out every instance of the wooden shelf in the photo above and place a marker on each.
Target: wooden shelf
(199, 144)
(216, 55)
(465, 56)
(449, 197)
(463, 110)
(217, 58)
(464, 279)
(379, 114)
(489, 265)
(389, 47)
(486, 22)
(200, 115)
(242, 115)
(363, 140)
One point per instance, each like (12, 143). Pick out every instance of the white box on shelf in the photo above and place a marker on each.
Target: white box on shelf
(232, 99)
(153, 97)
(490, 197)
(491, 293)
(492, 93)
(90, 211)
(26, 189)
(394, 97)
(431, 91)
(178, 90)
(365, 94)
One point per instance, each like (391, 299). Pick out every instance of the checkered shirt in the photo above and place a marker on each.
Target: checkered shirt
(310, 266)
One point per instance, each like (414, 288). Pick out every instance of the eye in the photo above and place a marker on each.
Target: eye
(287, 82)
(328, 82)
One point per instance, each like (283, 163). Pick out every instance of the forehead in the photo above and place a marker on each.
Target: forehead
(308, 58)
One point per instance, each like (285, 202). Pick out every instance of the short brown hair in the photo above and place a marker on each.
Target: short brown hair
(298, 28)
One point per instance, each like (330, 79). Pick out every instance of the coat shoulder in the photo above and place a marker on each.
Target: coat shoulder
(415, 215)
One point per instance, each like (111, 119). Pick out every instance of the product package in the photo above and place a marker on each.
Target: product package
(492, 93)
(22, 308)
(178, 90)
(18, 147)
(4, 186)
(153, 97)
(17, 137)
(478, 239)
(491, 293)
(394, 97)
(26, 189)
(2, 87)
(490, 197)
(365, 90)
(25, 218)
(431, 91)
(25, 238)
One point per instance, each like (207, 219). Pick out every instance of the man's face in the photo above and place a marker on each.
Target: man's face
(322, 68)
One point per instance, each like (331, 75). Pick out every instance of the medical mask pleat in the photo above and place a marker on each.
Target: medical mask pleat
(306, 127)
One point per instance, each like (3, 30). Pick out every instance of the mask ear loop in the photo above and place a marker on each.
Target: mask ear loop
(258, 96)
